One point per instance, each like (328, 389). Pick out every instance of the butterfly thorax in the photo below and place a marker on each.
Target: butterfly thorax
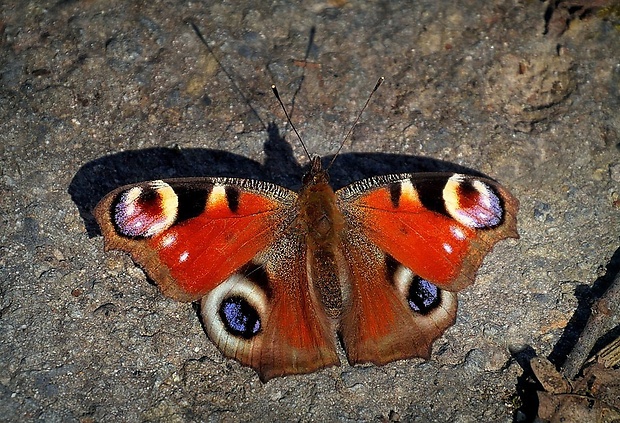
(322, 223)
(318, 213)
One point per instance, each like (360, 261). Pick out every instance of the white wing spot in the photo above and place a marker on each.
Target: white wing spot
(129, 200)
(458, 233)
(168, 240)
(408, 191)
(184, 256)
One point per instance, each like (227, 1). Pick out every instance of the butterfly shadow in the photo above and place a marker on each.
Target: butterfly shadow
(100, 176)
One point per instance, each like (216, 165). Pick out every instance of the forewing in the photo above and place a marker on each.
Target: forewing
(439, 225)
(191, 234)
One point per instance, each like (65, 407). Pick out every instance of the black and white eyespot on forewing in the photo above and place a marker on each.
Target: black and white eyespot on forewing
(422, 296)
(472, 202)
(146, 210)
(234, 312)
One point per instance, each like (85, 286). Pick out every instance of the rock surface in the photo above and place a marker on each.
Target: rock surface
(97, 94)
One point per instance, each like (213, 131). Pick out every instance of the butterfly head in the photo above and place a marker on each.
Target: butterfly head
(316, 175)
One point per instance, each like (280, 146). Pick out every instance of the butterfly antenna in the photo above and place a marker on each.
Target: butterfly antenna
(288, 118)
(359, 115)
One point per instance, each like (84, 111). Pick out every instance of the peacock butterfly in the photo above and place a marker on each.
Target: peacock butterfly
(281, 274)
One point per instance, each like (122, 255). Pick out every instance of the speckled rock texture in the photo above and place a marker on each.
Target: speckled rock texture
(95, 94)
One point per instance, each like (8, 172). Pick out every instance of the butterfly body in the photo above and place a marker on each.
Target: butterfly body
(321, 225)
(280, 274)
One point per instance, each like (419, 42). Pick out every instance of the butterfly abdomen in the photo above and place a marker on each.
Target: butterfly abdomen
(321, 223)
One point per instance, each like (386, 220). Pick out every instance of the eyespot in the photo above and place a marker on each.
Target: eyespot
(421, 295)
(239, 317)
(234, 313)
(146, 210)
(472, 202)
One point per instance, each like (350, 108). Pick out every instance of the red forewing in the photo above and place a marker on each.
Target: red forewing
(438, 225)
(191, 234)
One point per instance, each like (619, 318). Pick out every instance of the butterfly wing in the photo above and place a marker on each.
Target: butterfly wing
(392, 314)
(411, 242)
(190, 234)
(267, 317)
(408, 241)
(233, 243)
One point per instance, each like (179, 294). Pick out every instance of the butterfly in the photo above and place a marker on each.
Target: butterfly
(282, 275)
